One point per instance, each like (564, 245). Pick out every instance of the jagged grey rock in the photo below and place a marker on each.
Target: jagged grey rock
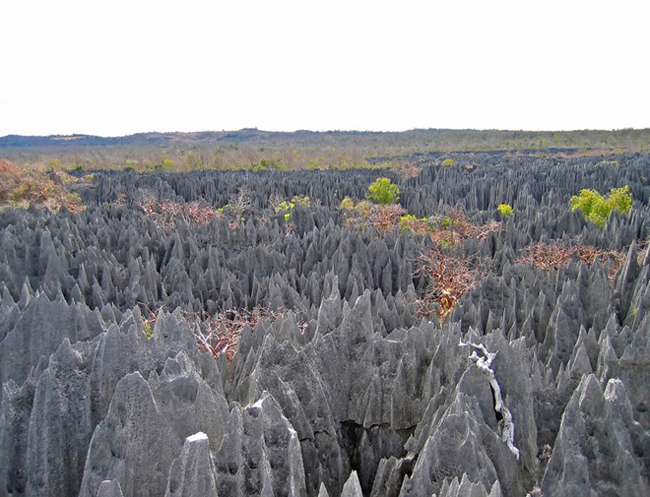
(459, 441)
(351, 380)
(110, 488)
(352, 487)
(322, 491)
(599, 449)
(60, 425)
(260, 453)
(193, 472)
(465, 488)
(134, 444)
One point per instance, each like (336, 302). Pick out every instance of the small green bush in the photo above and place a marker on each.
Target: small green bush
(302, 200)
(19, 192)
(364, 208)
(73, 198)
(284, 205)
(383, 191)
(280, 205)
(405, 221)
(267, 164)
(448, 162)
(414, 224)
(347, 204)
(505, 210)
(446, 222)
(596, 207)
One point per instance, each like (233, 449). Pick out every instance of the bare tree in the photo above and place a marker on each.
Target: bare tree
(240, 203)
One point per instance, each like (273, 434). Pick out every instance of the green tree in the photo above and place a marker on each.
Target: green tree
(383, 192)
(347, 204)
(505, 210)
(596, 207)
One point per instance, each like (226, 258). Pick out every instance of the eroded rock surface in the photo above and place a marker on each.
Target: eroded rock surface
(350, 392)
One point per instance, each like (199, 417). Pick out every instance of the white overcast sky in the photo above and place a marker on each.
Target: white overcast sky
(119, 67)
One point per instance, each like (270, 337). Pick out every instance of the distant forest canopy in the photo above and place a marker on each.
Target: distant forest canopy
(256, 149)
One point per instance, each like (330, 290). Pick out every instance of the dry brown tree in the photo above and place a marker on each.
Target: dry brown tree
(553, 255)
(449, 278)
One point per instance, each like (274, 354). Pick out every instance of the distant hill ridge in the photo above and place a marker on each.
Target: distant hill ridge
(206, 137)
(630, 140)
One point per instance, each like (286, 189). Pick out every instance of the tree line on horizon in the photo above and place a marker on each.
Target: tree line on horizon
(255, 149)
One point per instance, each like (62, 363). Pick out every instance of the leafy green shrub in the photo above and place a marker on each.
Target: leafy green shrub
(448, 162)
(364, 208)
(446, 222)
(596, 207)
(405, 221)
(302, 200)
(620, 199)
(283, 206)
(18, 193)
(505, 210)
(313, 164)
(383, 191)
(267, 164)
(414, 224)
(347, 204)
(73, 199)
(280, 205)
(148, 331)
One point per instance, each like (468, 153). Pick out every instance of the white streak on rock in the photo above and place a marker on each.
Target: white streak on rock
(483, 363)
(197, 437)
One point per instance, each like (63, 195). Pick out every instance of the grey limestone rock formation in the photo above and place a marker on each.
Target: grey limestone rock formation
(465, 488)
(193, 472)
(352, 487)
(600, 449)
(348, 391)
(260, 454)
(110, 488)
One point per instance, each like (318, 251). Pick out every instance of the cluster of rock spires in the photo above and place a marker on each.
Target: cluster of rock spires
(350, 392)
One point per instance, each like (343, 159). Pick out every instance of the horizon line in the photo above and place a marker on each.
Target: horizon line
(304, 130)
